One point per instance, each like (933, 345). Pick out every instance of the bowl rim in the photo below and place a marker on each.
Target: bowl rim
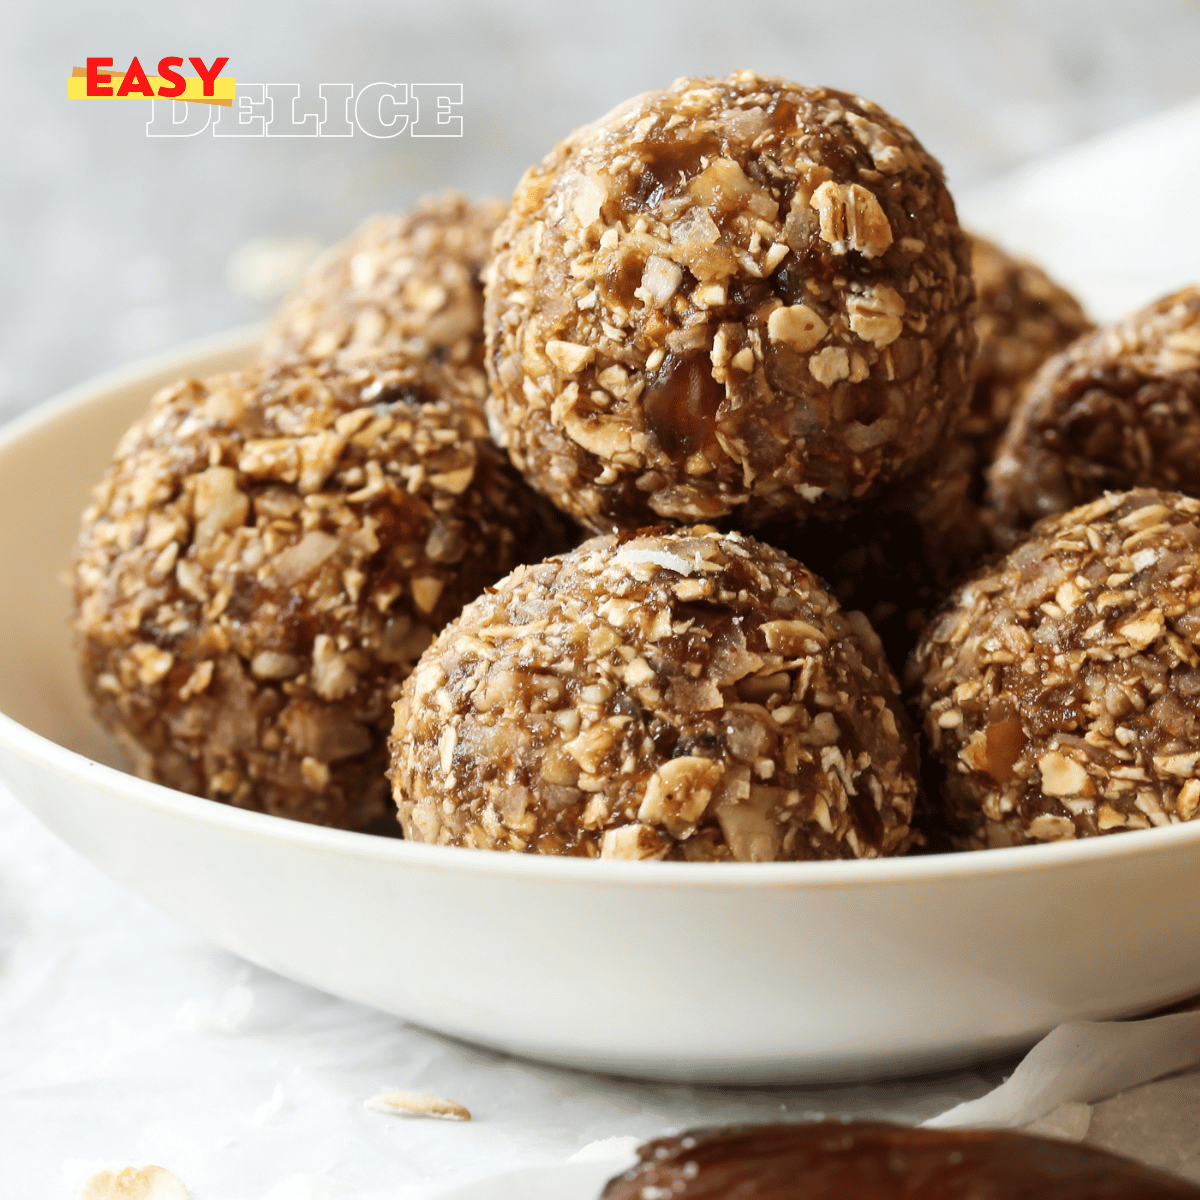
(839, 873)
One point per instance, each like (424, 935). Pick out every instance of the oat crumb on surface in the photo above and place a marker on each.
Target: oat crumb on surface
(417, 1104)
(133, 1183)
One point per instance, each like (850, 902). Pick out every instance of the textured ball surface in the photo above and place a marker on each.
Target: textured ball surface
(663, 694)
(403, 283)
(898, 561)
(734, 298)
(1023, 317)
(1120, 409)
(265, 560)
(1061, 687)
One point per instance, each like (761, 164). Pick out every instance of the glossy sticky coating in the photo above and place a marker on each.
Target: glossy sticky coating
(863, 1160)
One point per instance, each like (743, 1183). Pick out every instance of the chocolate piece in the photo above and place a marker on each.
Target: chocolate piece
(732, 298)
(1022, 318)
(265, 560)
(404, 283)
(1119, 409)
(1061, 687)
(678, 694)
(865, 1160)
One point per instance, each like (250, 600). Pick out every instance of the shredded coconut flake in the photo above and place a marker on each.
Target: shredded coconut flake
(659, 558)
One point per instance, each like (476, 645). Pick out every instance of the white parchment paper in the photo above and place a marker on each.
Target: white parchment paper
(1080, 1062)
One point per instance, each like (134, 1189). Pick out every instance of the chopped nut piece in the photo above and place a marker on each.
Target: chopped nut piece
(1143, 630)
(752, 834)
(1109, 818)
(1060, 775)
(150, 663)
(1188, 800)
(774, 256)
(198, 680)
(218, 505)
(678, 793)
(569, 356)
(426, 590)
(633, 843)
(1047, 828)
(315, 772)
(796, 326)
(830, 365)
(454, 482)
(302, 558)
(270, 664)
(660, 281)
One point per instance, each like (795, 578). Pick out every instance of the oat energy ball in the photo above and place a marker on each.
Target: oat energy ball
(1119, 409)
(265, 560)
(1023, 318)
(406, 283)
(1061, 688)
(899, 560)
(662, 694)
(736, 297)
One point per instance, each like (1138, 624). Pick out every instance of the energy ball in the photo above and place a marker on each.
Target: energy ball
(681, 694)
(1023, 318)
(1119, 409)
(733, 298)
(266, 559)
(868, 1160)
(405, 283)
(901, 559)
(1061, 687)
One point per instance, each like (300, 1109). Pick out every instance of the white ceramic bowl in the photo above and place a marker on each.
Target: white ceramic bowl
(735, 972)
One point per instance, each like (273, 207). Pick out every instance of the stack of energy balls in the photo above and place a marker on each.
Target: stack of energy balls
(729, 331)
(271, 551)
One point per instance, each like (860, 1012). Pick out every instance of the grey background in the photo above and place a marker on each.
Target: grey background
(114, 245)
